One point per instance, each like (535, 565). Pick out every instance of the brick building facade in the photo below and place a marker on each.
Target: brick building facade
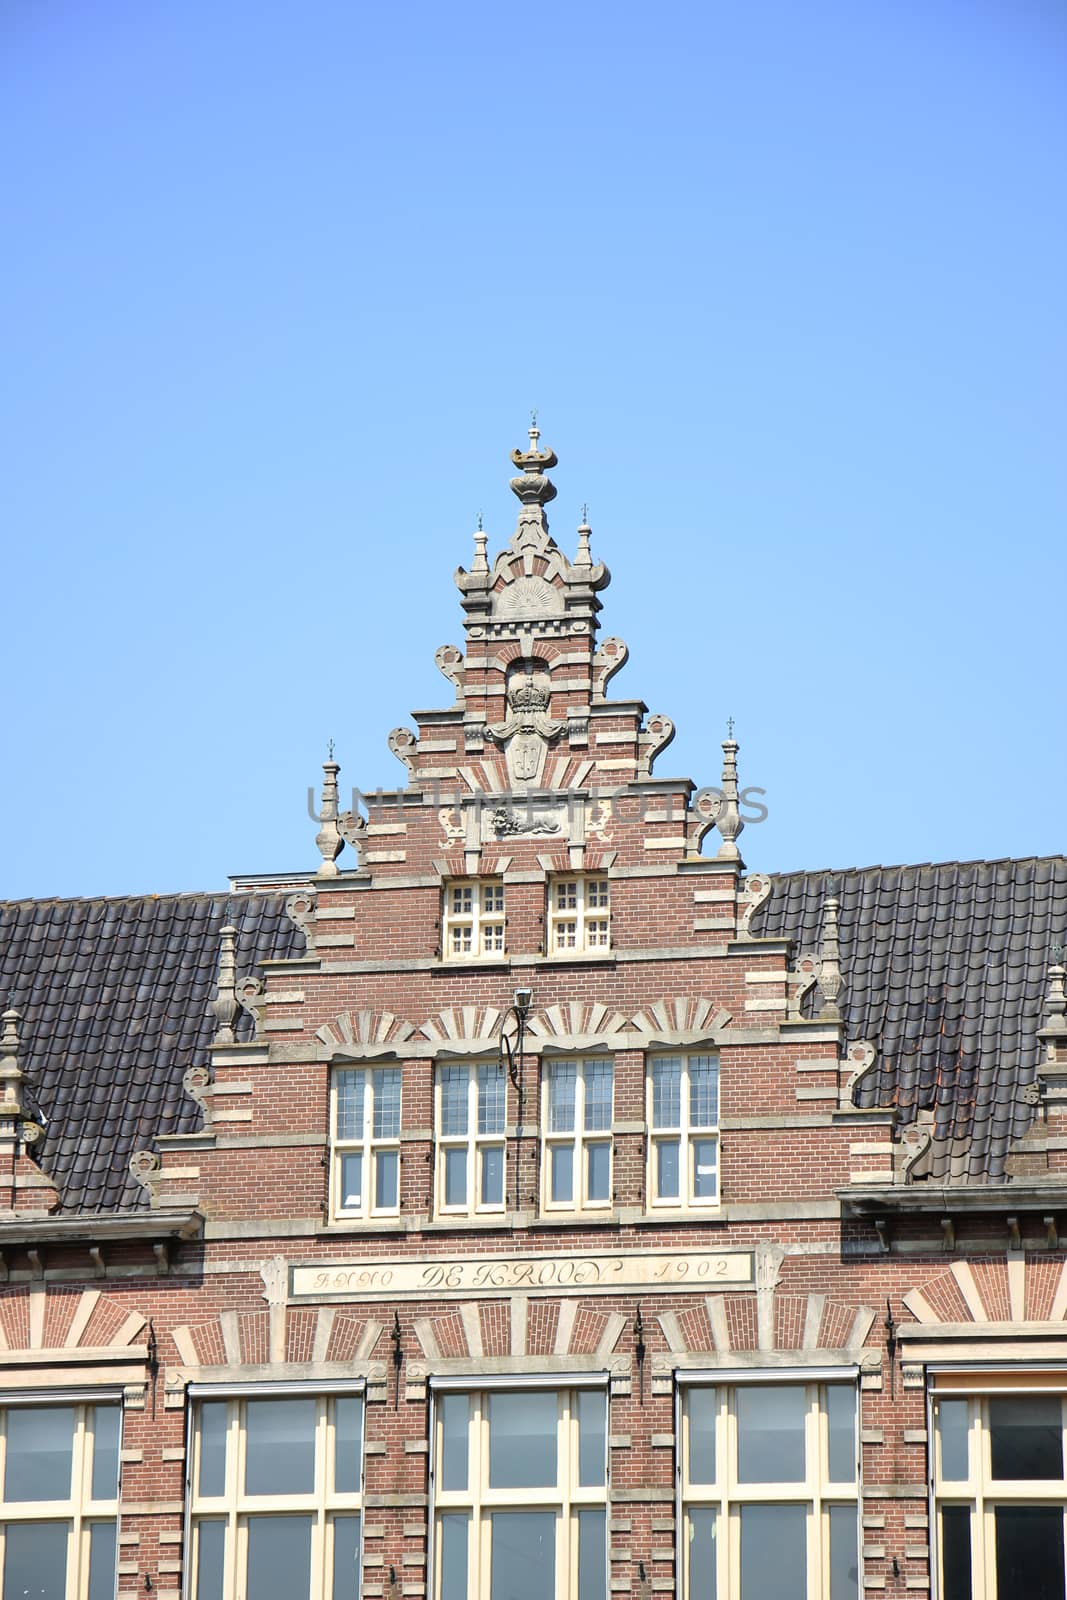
(529, 1202)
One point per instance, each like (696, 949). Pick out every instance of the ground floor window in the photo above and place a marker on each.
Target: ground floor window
(520, 1494)
(276, 1497)
(769, 1491)
(59, 1467)
(1001, 1494)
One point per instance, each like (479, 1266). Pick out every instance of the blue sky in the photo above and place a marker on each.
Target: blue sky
(281, 284)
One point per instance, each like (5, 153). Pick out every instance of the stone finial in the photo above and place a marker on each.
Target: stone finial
(225, 1004)
(11, 1074)
(584, 558)
(533, 488)
(481, 545)
(1054, 1028)
(729, 820)
(329, 838)
(830, 980)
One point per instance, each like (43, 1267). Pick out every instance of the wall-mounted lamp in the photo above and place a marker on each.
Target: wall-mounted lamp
(398, 1357)
(640, 1351)
(514, 1047)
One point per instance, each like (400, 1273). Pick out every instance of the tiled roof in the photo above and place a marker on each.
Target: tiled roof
(946, 970)
(945, 973)
(114, 997)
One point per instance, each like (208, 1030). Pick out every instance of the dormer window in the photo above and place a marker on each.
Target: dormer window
(473, 920)
(578, 915)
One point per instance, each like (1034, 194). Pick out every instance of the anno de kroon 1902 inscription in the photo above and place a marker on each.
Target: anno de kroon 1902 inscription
(574, 1274)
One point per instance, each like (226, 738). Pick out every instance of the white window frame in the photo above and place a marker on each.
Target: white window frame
(580, 1139)
(980, 1492)
(364, 1142)
(473, 1142)
(726, 1496)
(579, 912)
(567, 1497)
(474, 914)
(687, 1133)
(234, 1507)
(78, 1511)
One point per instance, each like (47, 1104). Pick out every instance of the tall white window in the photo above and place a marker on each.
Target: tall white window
(520, 1495)
(471, 1122)
(769, 1492)
(473, 919)
(366, 1141)
(1000, 1480)
(579, 915)
(683, 1116)
(576, 1117)
(59, 1467)
(276, 1486)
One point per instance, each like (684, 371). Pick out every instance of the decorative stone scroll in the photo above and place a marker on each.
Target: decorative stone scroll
(300, 908)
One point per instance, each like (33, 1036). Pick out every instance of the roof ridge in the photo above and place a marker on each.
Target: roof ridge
(909, 866)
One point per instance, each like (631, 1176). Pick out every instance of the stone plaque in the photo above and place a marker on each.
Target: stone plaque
(608, 1273)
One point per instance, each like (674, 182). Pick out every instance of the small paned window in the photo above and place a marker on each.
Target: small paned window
(520, 1495)
(276, 1498)
(59, 1471)
(366, 1141)
(1001, 1490)
(578, 915)
(474, 922)
(471, 1126)
(683, 1144)
(577, 1097)
(769, 1491)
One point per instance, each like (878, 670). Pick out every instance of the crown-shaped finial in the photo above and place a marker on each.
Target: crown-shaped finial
(533, 488)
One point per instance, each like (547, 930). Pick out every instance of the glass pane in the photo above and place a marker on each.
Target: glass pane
(106, 1423)
(455, 1411)
(493, 1176)
(705, 1169)
(523, 1555)
(211, 1476)
(667, 1092)
(492, 1099)
(280, 1446)
(279, 1558)
(102, 1561)
(844, 1556)
(955, 1553)
(952, 1425)
(599, 1077)
(703, 1092)
(386, 1179)
(841, 1433)
(703, 1405)
(349, 1087)
(345, 1558)
(770, 1433)
(1030, 1552)
(352, 1178)
(773, 1553)
(456, 1176)
(387, 1103)
(562, 1097)
(348, 1443)
(598, 1175)
(592, 1438)
(562, 1156)
(702, 1557)
(35, 1559)
(210, 1560)
(455, 1083)
(667, 1169)
(40, 1440)
(1026, 1436)
(522, 1440)
(454, 1558)
(592, 1556)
